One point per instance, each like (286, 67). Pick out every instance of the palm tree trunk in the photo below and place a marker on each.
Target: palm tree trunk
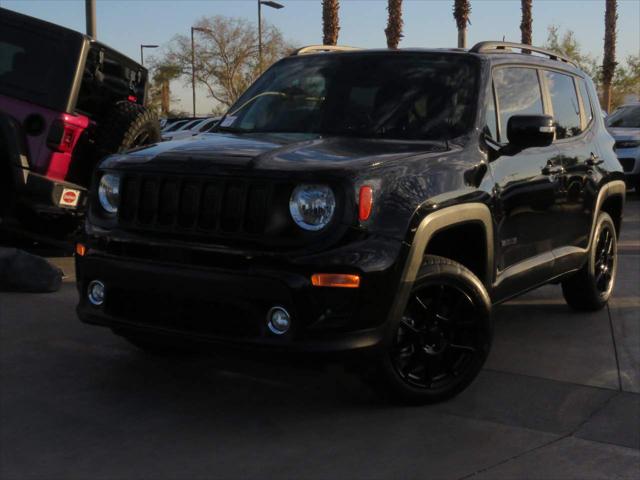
(461, 11)
(394, 23)
(526, 23)
(330, 22)
(165, 97)
(609, 60)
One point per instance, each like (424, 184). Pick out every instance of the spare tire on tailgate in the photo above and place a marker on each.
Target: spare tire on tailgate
(127, 126)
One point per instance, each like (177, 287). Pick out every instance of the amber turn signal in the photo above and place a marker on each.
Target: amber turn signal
(81, 249)
(335, 280)
(365, 203)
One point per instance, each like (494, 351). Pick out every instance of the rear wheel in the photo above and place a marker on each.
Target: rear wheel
(442, 340)
(590, 288)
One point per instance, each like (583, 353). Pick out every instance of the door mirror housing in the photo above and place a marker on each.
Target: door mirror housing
(526, 131)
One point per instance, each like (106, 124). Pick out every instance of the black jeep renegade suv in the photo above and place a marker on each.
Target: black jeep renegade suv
(366, 200)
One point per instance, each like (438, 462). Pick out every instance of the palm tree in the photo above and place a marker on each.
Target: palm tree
(394, 23)
(525, 24)
(164, 73)
(609, 60)
(330, 21)
(461, 11)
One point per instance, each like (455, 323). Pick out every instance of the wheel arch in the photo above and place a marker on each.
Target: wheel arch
(449, 219)
(611, 198)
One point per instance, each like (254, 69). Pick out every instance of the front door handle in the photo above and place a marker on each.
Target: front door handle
(594, 160)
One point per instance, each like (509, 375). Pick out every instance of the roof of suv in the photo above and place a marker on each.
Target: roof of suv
(494, 51)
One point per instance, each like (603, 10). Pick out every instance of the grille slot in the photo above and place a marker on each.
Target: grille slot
(210, 206)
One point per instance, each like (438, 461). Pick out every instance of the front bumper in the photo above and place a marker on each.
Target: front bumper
(229, 303)
(44, 195)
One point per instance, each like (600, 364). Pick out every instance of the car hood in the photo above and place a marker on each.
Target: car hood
(625, 133)
(211, 152)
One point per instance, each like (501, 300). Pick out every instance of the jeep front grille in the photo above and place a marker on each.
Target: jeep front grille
(196, 206)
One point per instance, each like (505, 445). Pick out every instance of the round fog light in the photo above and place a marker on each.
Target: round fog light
(95, 293)
(278, 320)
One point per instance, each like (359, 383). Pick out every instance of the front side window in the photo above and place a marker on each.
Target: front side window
(407, 96)
(564, 99)
(518, 93)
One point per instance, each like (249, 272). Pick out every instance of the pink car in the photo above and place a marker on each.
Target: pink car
(66, 101)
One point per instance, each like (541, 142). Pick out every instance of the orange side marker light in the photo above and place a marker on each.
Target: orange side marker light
(81, 249)
(338, 280)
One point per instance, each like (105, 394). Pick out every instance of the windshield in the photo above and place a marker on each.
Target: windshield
(404, 95)
(176, 125)
(625, 117)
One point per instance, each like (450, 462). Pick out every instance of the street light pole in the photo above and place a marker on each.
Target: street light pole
(90, 13)
(142, 47)
(267, 3)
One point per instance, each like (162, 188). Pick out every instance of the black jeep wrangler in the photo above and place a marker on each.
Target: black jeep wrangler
(66, 101)
(365, 200)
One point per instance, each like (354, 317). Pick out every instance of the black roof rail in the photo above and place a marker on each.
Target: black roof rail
(502, 47)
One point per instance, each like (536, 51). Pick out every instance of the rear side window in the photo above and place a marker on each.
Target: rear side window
(564, 99)
(37, 65)
(586, 101)
(518, 93)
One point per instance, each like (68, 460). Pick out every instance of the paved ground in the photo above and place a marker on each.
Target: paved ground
(559, 398)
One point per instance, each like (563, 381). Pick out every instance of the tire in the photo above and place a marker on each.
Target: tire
(590, 288)
(420, 363)
(127, 126)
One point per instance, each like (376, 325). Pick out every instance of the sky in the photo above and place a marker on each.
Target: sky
(125, 24)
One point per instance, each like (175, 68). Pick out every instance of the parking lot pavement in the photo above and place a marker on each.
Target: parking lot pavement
(559, 398)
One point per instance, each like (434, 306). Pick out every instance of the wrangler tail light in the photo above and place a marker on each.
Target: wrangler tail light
(65, 131)
(63, 136)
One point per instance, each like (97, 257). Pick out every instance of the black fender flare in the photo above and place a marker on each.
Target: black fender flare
(473, 212)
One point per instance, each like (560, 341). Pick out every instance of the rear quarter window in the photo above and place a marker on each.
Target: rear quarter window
(37, 65)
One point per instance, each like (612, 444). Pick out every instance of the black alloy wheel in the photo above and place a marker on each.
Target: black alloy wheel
(590, 288)
(438, 346)
(438, 337)
(605, 259)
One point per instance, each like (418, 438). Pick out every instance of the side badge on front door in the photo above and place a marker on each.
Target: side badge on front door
(508, 242)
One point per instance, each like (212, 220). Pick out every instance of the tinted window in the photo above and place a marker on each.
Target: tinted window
(518, 93)
(176, 125)
(625, 117)
(566, 112)
(37, 65)
(586, 100)
(397, 96)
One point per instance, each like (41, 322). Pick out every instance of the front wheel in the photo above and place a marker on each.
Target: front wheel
(590, 288)
(442, 340)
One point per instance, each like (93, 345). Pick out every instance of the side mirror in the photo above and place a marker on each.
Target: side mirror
(526, 131)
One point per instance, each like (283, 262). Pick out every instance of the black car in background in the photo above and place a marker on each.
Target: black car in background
(372, 201)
